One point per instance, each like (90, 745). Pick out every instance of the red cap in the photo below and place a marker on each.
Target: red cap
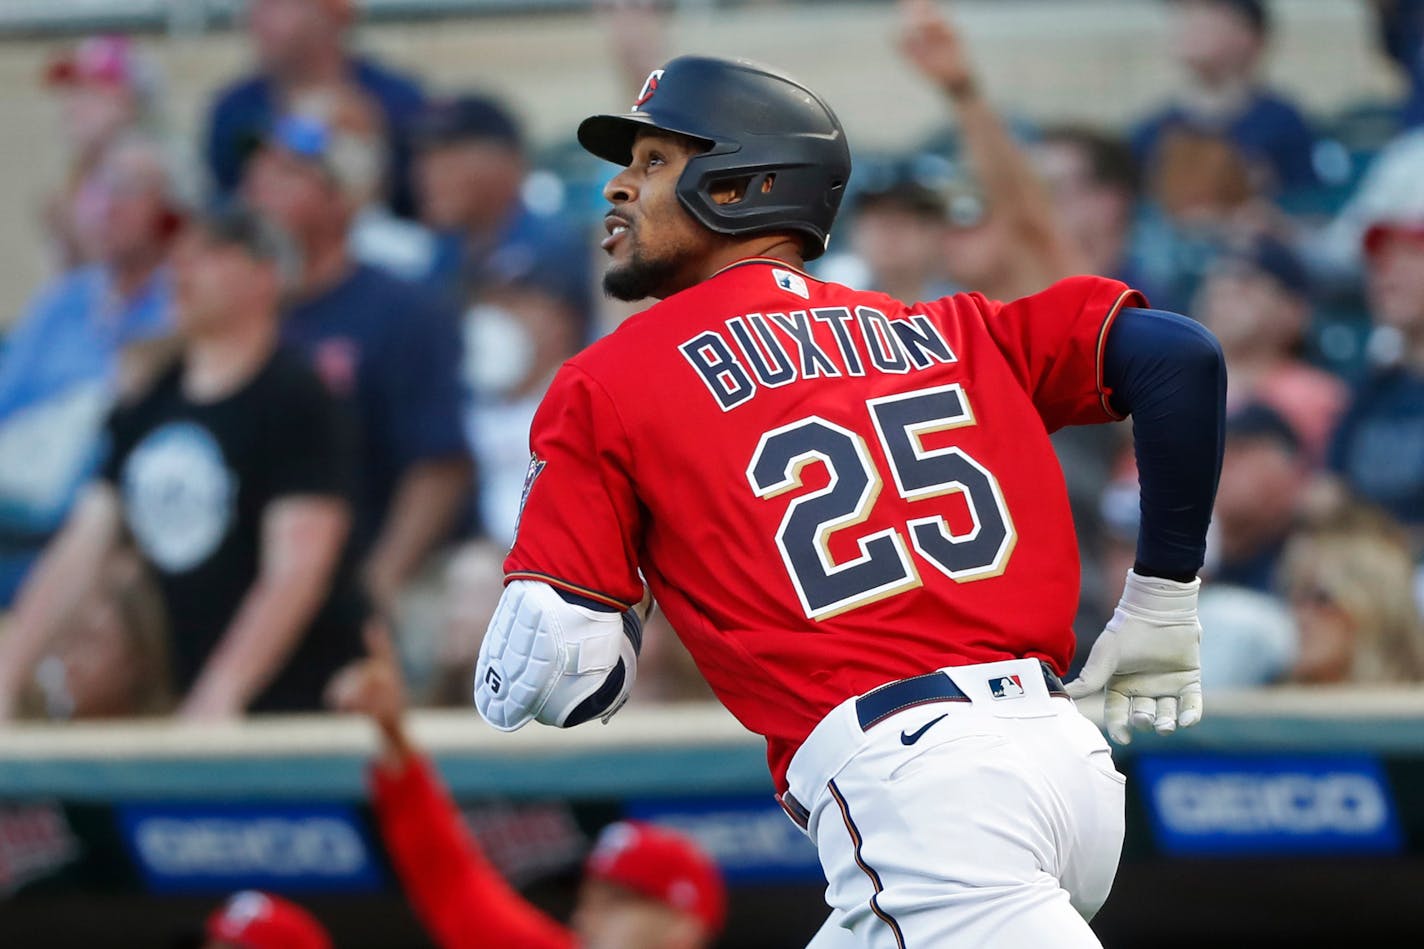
(1376, 234)
(663, 865)
(255, 920)
(101, 60)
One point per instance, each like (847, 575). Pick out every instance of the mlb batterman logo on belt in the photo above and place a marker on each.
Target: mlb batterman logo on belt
(1006, 687)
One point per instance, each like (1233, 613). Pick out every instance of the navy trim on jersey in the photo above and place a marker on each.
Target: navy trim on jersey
(1168, 373)
(869, 871)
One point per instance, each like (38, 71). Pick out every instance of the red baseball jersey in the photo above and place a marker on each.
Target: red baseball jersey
(826, 489)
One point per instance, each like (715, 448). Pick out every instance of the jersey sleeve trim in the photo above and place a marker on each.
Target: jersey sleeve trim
(1104, 393)
(619, 605)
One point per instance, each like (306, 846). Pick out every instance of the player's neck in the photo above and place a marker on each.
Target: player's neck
(771, 247)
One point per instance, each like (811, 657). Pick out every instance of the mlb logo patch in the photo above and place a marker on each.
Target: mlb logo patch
(1006, 687)
(791, 282)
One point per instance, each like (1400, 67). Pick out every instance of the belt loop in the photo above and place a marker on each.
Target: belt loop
(795, 810)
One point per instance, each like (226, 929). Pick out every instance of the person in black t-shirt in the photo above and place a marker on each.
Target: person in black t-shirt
(232, 478)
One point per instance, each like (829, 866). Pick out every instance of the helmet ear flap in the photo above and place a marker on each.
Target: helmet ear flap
(734, 199)
(734, 189)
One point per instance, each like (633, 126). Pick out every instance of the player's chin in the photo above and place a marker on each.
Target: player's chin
(623, 281)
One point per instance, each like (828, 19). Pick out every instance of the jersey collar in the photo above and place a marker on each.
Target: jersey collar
(773, 261)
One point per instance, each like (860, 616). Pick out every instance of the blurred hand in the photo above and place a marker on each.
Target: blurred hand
(933, 45)
(206, 705)
(373, 687)
(637, 37)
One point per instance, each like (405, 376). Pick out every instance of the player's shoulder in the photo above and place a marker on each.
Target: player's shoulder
(1073, 292)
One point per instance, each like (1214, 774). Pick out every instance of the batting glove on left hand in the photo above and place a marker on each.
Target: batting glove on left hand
(1148, 658)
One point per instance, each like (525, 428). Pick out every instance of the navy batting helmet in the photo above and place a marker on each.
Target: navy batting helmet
(759, 126)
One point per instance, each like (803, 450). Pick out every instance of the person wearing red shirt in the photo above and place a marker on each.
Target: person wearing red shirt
(644, 887)
(849, 509)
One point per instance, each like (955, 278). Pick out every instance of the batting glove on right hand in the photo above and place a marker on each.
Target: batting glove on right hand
(1148, 658)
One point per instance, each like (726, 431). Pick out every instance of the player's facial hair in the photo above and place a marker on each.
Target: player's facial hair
(640, 277)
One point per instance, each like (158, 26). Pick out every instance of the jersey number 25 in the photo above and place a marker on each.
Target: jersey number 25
(884, 567)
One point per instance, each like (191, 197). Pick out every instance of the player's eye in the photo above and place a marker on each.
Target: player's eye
(655, 159)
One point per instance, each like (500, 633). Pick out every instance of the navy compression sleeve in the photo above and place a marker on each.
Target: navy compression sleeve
(1167, 372)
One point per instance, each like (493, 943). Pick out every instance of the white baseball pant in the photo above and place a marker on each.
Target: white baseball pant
(996, 822)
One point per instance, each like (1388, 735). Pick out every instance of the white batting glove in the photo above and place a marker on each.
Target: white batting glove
(1148, 658)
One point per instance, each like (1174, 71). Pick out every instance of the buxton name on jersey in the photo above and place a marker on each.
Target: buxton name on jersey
(867, 447)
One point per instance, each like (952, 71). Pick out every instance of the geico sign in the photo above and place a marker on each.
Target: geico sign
(1332, 803)
(748, 838)
(305, 846)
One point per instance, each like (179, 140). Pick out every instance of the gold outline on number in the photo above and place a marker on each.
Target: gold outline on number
(821, 541)
(916, 433)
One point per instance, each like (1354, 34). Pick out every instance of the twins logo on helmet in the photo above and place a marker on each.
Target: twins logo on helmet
(649, 87)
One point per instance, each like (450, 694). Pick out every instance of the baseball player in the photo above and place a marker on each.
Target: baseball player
(849, 509)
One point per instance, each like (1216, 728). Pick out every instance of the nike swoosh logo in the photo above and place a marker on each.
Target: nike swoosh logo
(909, 738)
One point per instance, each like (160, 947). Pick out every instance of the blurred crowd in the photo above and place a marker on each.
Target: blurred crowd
(277, 397)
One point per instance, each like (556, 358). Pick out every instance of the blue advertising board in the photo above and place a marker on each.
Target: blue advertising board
(1262, 805)
(750, 837)
(216, 848)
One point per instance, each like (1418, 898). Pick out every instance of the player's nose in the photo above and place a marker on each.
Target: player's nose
(620, 189)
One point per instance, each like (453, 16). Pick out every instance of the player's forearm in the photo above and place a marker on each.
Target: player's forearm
(429, 498)
(1168, 372)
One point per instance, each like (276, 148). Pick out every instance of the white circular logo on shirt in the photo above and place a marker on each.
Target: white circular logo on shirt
(178, 495)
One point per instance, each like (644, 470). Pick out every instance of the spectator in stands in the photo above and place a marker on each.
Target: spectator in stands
(1221, 44)
(82, 338)
(301, 45)
(897, 241)
(1379, 447)
(1264, 474)
(1016, 247)
(344, 123)
(1201, 199)
(111, 660)
(1349, 581)
(1092, 178)
(516, 337)
(644, 887)
(385, 346)
(253, 920)
(1401, 35)
(109, 90)
(231, 475)
(470, 170)
(1256, 300)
